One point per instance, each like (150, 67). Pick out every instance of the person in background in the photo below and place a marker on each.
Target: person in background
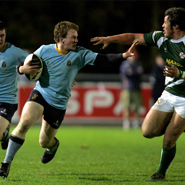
(131, 71)
(157, 78)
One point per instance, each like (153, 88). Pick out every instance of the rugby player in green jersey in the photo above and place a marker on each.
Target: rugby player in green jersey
(10, 57)
(167, 115)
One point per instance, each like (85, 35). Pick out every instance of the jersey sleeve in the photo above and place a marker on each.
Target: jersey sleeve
(87, 56)
(152, 38)
(39, 51)
(21, 55)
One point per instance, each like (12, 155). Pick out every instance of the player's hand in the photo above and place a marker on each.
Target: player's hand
(27, 69)
(131, 50)
(101, 40)
(171, 71)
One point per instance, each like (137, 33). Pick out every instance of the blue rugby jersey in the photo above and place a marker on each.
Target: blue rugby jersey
(10, 56)
(59, 72)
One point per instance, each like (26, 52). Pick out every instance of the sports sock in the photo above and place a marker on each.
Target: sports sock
(13, 146)
(166, 158)
(53, 148)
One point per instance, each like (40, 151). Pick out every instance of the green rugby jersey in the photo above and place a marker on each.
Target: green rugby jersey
(172, 51)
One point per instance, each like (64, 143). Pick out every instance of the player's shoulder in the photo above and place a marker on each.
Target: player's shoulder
(158, 35)
(154, 38)
(154, 34)
(80, 48)
(11, 46)
(46, 47)
(16, 51)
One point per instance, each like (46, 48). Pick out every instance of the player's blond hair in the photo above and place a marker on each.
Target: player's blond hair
(61, 29)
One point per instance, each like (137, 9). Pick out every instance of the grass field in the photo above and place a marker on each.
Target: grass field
(92, 155)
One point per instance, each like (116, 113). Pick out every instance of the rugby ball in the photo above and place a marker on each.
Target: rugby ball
(35, 60)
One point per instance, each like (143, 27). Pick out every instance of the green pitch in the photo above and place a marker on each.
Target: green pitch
(94, 156)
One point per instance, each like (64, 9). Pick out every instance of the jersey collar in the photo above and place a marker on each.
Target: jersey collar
(179, 40)
(4, 46)
(61, 52)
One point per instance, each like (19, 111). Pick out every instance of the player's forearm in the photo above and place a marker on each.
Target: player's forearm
(108, 58)
(125, 38)
(19, 66)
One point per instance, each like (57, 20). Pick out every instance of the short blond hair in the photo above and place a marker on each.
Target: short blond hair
(61, 29)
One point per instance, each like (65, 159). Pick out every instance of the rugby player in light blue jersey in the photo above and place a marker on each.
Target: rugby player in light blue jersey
(170, 107)
(61, 62)
(10, 57)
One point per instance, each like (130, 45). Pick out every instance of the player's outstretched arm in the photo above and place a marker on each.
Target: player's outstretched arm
(112, 57)
(131, 50)
(124, 39)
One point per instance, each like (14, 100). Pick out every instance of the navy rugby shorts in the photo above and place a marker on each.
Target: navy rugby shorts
(7, 110)
(52, 115)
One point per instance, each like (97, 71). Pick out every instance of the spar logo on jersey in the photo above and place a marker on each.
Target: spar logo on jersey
(182, 55)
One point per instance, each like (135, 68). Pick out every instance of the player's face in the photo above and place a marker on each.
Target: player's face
(168, 32)
(71, 40)
(2, 38)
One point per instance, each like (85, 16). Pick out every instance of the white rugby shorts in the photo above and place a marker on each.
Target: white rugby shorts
(168, 102)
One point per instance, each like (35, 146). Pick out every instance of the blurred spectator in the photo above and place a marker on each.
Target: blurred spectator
(157, 78)
(130, 72)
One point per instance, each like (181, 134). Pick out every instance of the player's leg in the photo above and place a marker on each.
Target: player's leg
(126, 109)
(4, 132)
(155, 122)
(6, 113)
(32, 111)
(48, 140)
(172, 133)
(52, 120)
(158, 117)
(137, 99)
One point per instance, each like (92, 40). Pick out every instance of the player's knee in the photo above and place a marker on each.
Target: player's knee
(147, 133)
(23, 128)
